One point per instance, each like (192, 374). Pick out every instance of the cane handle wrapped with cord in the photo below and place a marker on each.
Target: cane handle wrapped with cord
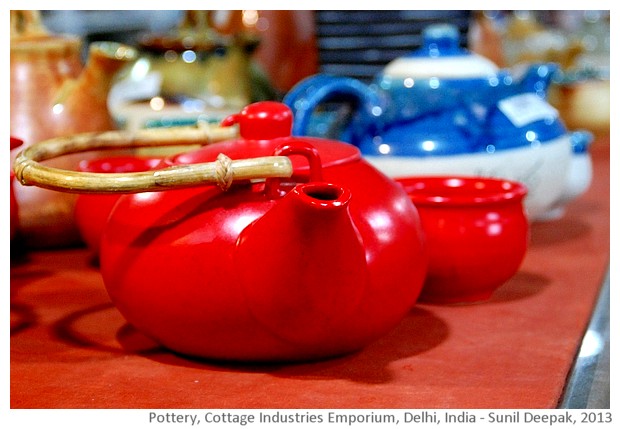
(29, 171)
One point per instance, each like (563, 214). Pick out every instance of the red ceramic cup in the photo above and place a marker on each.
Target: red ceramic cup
(92, 210)
(476, 231)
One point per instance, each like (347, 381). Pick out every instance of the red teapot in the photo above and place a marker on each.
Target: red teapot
(316, 264)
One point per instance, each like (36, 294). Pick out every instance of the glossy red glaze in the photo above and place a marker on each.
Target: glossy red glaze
(282, 270)
(92, 210)
(267, 125)
(476, 231)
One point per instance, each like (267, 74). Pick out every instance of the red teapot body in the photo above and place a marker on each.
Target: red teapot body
(92, 210)
(314, 266)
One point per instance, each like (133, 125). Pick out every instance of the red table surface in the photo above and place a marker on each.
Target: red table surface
(71, 348)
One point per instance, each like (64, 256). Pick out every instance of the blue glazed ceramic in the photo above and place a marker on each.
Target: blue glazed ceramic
(440, 75)
(443, 110)
(438, 100)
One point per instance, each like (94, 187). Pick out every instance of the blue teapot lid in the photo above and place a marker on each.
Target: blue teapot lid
(441, 56)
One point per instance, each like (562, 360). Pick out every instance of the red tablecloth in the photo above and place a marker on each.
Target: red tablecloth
(70, 348)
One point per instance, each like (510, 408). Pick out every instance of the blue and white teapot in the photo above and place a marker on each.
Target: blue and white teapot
(444, 110)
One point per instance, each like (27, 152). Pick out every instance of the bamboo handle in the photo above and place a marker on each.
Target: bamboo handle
(174, 136)
(222, 172)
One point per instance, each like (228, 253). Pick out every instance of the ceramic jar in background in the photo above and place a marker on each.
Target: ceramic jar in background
(200, 71)
(476, 231)
(288, 49)
(53, 94)
(585, 102)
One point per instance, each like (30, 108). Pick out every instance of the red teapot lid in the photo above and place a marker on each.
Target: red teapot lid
(263, 126)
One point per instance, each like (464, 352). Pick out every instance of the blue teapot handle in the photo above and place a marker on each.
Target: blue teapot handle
(310, 93)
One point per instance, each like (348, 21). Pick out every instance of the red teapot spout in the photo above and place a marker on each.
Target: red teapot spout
(305, 256)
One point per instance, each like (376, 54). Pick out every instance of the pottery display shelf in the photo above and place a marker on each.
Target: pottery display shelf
(71, 348)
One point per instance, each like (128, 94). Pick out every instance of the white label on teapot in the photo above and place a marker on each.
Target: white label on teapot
(526, 108)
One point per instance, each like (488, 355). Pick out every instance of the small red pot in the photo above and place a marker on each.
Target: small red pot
(92, 210)
(477, 234)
